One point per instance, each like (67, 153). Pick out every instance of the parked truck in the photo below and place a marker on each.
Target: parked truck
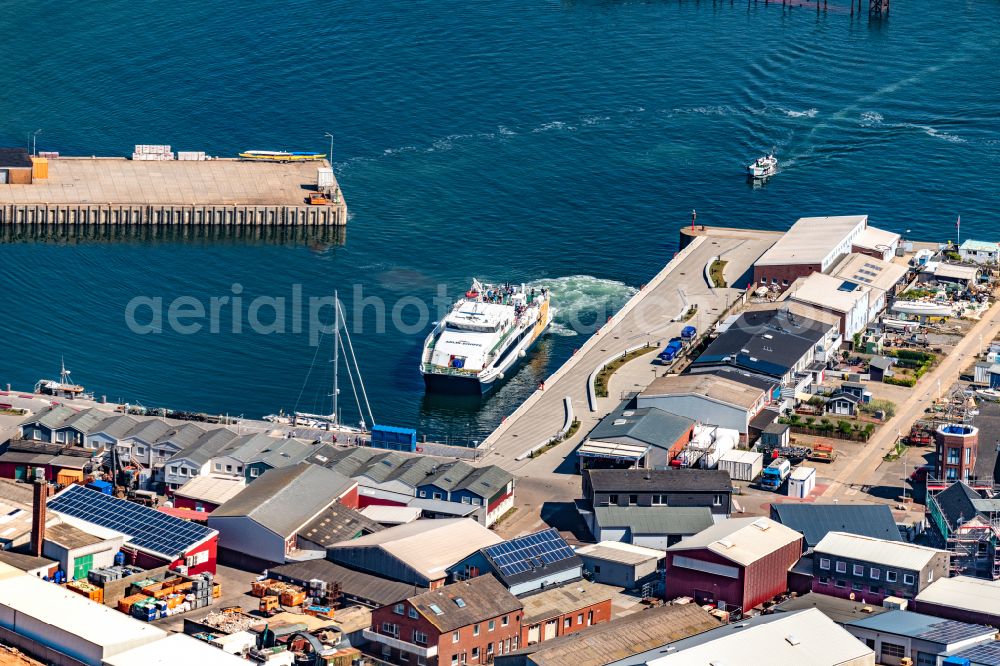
(671, 351)
(775, 474)
(688, 333)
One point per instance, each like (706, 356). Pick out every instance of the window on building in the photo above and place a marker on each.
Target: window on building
(398, 609)
(717, 500)
(658, 500)
(390, 629)
(824, 580)
(421, 661)
(612, 499)
(505, 620)
(404, 656)
(567, 622)
(140, 450)
(953, 455)
(475, 630)
(841, 583)
(784, 283)
(229, 468)
(455, 636)
(254, 472)
(824, 563)
(892, 651)
(423, 493)
(590, 618)
(437, 495)
(386, 652)
(419, 637)
(774, 280)
(454, 660)
(489, 649)
(951, 473)
(841, 567)
(597, 568)
(492, 625)
(859, 570)
(412, 612)
(633, 500)
(475, 654)
(907, 579)
(465, 499)
(173, 469)
(218, 467)
(462, 658)
(874, 573)
(579, 618)
(968, 456)
(890, 576)
(875, 589)
(930, 576)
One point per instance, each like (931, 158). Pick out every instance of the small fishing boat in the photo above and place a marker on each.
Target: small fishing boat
(280, 156)
(992, 395)
(763, 167)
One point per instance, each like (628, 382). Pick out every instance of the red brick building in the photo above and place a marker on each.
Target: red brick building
(811, 245)
(957, 445)
(736, 564)
(469, 622)
(564, 610)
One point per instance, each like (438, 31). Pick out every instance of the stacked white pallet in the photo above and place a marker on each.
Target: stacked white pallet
(191, 156)
(152, 153)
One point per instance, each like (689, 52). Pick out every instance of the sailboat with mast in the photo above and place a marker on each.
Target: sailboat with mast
(342, 347)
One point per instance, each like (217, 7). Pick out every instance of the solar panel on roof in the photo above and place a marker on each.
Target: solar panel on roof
(147, 528)
(525, 553)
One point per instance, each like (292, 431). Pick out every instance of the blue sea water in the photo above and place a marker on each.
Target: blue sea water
(544, 141)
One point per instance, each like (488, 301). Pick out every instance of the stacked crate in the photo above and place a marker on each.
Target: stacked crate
(191, 156)
(82, 587)
(152, 153)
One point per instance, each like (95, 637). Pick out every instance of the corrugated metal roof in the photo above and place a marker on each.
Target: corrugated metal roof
(805, 638)
(655, 519)
(282, 500)
(923, 627)
(965, 593)
(659, 480)
(623, 553)
(427, 546)
(880, 551)
(648, 425)
(357, 584)
(815, 521)
(208, 488)
(741, 540)
(811, 239)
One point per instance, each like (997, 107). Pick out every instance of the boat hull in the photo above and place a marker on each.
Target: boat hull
(484, 382)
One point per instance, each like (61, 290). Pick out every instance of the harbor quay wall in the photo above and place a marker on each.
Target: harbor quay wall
(172, 214)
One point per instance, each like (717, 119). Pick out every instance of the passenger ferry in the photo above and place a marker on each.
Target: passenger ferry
(485, 334)
(281, 156)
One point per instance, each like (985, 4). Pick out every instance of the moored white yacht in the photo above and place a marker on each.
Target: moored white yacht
(486, 332)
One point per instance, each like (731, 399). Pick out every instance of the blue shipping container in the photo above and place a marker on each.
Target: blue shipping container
(394, 439)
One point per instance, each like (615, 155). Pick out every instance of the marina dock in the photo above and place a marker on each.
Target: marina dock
(118, 191)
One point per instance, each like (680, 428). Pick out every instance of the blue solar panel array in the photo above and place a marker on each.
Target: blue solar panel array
(529, 552)
(149, 529)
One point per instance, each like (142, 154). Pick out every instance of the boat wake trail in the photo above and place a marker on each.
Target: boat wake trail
(583, 302)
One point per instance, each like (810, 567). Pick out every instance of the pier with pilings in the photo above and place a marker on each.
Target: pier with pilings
(117, 191)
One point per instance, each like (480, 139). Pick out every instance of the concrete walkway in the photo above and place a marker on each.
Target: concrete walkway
(647, 318)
